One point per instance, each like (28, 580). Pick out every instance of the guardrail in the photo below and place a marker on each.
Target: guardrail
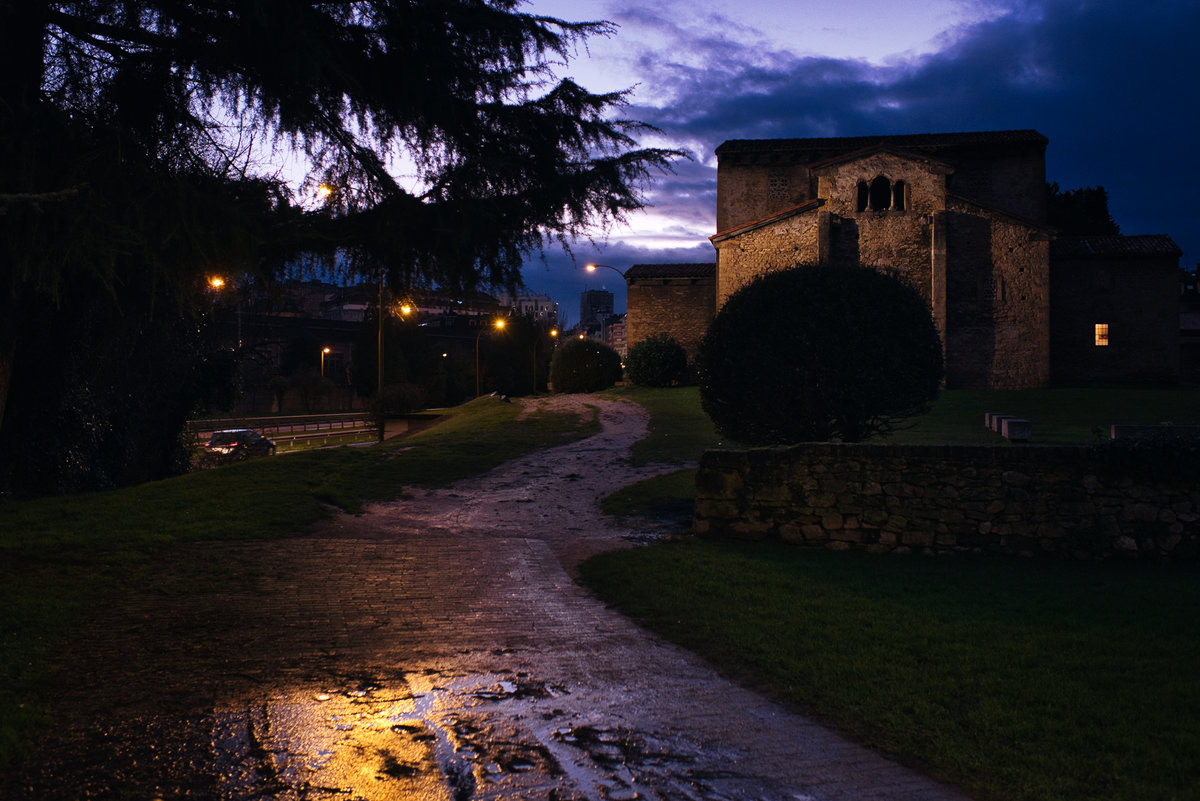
(295, 428)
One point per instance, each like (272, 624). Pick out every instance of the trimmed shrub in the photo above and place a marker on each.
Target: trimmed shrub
(819, 352)
(658, 361)
(584, 365)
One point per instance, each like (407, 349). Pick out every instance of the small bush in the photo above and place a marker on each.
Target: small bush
(1166, 456)
(819, 352)
(584, 365)
(658, 361)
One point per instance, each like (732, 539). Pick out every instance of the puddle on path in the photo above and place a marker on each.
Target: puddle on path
(478, 737)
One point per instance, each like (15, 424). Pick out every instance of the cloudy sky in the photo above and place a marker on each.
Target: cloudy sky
(1112, 83)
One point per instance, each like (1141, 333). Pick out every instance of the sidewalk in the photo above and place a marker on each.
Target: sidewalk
(433, 648)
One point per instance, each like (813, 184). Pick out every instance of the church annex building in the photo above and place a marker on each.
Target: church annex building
(962, 217)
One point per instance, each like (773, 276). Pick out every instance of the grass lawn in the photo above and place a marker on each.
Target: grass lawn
(60, 555)
(1015, 679)
(1060, 415)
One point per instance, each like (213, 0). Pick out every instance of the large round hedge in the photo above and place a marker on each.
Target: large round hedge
(584, 365)
(819, 352)
(657, 361)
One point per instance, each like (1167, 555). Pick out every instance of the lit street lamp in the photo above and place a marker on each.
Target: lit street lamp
(499, 324)
(591, 268)
(324, 352)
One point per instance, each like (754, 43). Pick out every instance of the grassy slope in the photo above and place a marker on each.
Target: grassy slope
(60, 555)
(1018, 680)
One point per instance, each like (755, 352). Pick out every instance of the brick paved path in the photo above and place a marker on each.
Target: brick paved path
(431, 648)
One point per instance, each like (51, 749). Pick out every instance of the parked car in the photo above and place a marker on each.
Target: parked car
(235, 444)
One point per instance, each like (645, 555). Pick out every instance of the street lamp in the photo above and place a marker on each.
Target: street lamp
(498, 323)
(324, 352)
(591, 268)
(379, 364)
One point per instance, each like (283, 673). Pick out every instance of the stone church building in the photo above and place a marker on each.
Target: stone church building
(962, 217)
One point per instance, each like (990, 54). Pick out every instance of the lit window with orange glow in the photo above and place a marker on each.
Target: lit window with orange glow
(1101, 335)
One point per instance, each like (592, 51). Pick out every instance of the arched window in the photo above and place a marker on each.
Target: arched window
(864, 194)
(881, 194)
(899, 189)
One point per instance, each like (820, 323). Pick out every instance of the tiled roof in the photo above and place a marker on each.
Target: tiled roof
(808, 205)
(693, 270)
(850, 143)
(1086, 247)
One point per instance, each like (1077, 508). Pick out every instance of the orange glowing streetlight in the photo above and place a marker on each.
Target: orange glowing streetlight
(324, 352)
(498, 324)
(591, 268)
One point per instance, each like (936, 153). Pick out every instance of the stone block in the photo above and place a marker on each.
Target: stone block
(814, 533)
(1017, 430)
(832, 521)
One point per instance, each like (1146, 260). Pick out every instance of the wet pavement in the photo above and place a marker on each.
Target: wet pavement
(432, 648)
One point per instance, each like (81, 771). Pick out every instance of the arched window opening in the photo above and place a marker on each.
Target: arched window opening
(864, 194)
(881, 194)
(898, 196)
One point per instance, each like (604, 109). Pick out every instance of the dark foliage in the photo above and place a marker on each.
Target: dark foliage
(657, 361)
(1080, 212)
(516, 361)
(816, 353)
(130, 132)
(1168, 456)
(584, 365)
(100, 398)
(408, 358)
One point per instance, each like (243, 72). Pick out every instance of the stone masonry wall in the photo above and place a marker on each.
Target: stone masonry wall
(780, 246)
(883, 498)
(680, 308)
(997, 331)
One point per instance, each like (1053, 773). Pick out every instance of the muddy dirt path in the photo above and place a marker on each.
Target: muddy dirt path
(431, 648)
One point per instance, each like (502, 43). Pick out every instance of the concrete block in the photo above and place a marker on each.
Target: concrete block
(1017, 430)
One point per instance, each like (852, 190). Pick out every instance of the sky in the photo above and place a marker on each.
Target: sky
(1111, 83)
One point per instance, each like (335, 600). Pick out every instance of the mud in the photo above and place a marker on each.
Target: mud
(431, 648)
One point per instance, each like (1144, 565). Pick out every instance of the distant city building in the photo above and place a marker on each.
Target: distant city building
(594, 306)
(540, 308)
(615, 334)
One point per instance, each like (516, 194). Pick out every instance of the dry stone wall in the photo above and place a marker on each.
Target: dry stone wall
(931, 499)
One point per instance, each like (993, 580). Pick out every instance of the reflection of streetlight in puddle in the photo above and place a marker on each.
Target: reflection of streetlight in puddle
(432, 738)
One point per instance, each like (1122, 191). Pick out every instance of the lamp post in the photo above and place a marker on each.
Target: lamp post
(498, 323)
(379, 363)
(591, 268)
(217, 284)
(324, 352)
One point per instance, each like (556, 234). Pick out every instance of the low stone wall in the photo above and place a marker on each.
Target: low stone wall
(1027, 501)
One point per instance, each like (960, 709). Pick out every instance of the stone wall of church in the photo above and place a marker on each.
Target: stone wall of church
(678, 307)
(784, 244)
(751, 189)
(896, 239)
(998, 302)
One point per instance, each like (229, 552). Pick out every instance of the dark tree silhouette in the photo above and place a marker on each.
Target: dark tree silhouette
(1079, 212)
(819, 352)
(134, 135)
(657, 361)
